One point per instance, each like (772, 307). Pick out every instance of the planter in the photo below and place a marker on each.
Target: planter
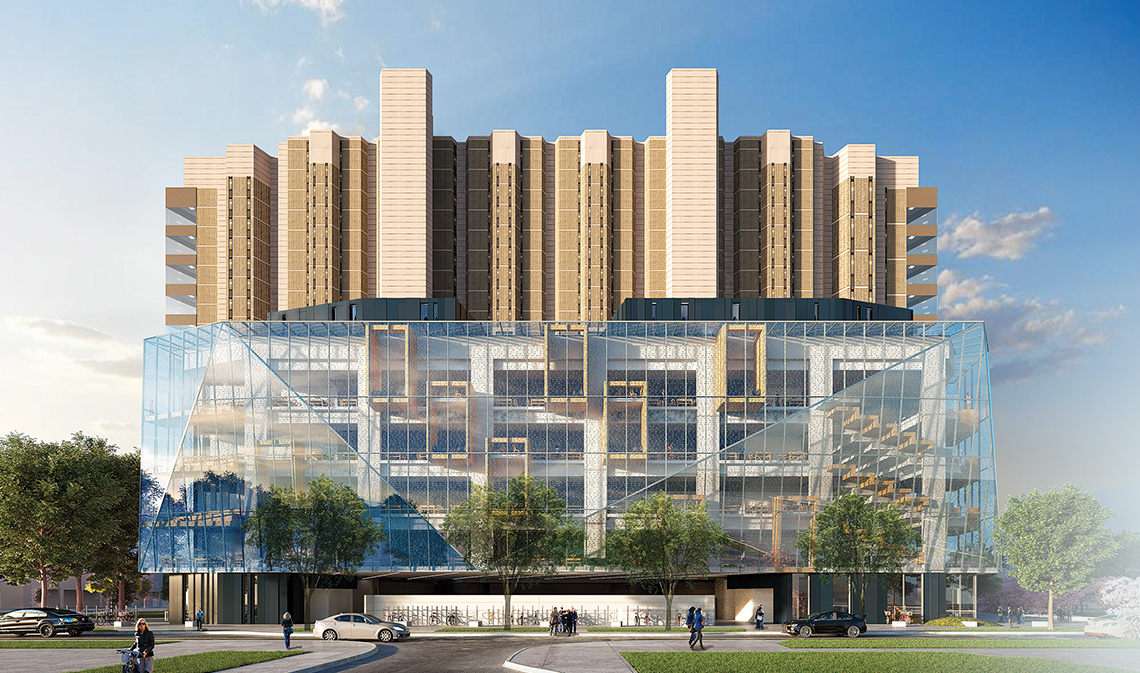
(971, 624)
(899, 624)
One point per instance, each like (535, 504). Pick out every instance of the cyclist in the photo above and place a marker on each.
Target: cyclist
(144, 644)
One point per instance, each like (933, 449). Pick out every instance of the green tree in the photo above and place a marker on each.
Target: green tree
(113, 561)
(1055, 541)
(1126, 561)
(521, 533)
(323, 530)
(661, 545)
(56, 507)
(852, 538)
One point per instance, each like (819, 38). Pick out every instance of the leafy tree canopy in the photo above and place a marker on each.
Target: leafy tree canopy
(1126, 561)
(1055, 541)
(59, 501)
(660, 544)
(860, 541)
(322, 530)
(520, 533)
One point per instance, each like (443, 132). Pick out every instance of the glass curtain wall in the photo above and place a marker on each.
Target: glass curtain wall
(762, 423)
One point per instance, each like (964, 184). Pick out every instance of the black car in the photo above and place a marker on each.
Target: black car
(45, 621)
(831, 622)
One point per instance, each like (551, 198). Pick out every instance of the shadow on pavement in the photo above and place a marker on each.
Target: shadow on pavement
(383, 651)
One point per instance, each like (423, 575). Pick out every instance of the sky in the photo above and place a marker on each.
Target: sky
(1024, 115)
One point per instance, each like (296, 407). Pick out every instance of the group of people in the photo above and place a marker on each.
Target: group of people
(564, 621)
(1009, 614)
(695, 620)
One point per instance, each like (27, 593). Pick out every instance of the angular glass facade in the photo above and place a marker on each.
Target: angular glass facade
(763, 422)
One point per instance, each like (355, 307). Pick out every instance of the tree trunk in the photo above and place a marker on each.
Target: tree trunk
(1051, 625)
(669, 609)
(43, 586)
(308, 585)
(122, 599)
(507, 608)
(79, 592)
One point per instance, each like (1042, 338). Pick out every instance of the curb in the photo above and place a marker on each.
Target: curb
(522, 668)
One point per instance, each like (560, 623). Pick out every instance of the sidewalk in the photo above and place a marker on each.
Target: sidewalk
(319, 655)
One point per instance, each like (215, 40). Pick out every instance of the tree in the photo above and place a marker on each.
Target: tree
(1122, 597)
(521, 533)
(323, 530)
(1126, 561)
(661, 545)
(1055, 541)
(860, 541)
(56, 506)
(113, 560)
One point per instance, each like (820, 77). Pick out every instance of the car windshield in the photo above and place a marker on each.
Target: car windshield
(371, 620)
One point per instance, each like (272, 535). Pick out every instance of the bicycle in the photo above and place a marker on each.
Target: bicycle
(132, 661)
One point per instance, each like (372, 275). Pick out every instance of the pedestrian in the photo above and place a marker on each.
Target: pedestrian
(199, 618)
(698, 630)
(1001, 615)
(1009, 614)
(760, 616)
(564, 619)
(573, 621)
(144, 643)
(1020, 615)
(553, 621)
(287, 627)
(689, 619)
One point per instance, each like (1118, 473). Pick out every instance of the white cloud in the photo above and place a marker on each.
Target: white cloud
(360, 103)
(303, 114)
(329, 10)
(58, 329)
(434, 22)
(1008, 237)
(1027, 336)
(314, 89)
(303, 62)
(339, 52)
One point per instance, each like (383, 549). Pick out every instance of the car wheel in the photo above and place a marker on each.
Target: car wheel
(805, 632)
(329, 635)
(852, 631)
(47, 630)
(385, 636)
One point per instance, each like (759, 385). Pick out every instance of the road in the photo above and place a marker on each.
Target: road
(459, 655)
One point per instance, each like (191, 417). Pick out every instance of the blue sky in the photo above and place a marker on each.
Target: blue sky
(1023, 114)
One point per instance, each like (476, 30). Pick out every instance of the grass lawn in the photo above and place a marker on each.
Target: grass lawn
(848, 662)
(661, 629)
(203, 662)
(71, 644)
(873, 643)
(1016, 629)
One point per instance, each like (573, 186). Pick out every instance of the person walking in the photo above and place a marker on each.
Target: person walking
(689, 619)
(573, 621)
(199, 617)
(760, 616)
(1001, 615)
(564, 620)
(287, 627)
(1020, 615)
(698, 630)
(1009, 615)
(144, 643)
(553, 621)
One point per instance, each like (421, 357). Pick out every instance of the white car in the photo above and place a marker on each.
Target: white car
(359, 626)
(1105, 626)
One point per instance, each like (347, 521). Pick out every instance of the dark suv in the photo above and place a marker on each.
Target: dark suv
(830, 622)
(45, 621)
